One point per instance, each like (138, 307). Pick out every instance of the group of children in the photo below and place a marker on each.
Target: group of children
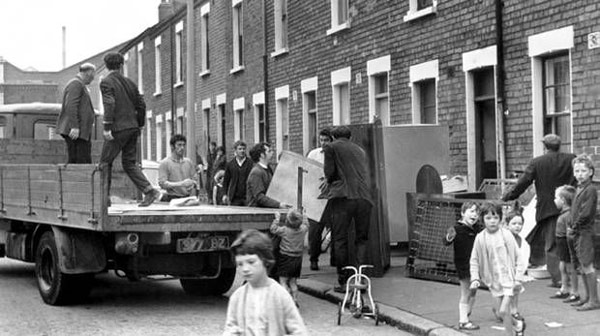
(261, 306)
(496, 256)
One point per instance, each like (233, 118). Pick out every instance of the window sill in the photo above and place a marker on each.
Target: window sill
(237, 69)
(204, 73)
(279, 52)
(338, 28)
(413, 15)
(178, 84)
(156, 94)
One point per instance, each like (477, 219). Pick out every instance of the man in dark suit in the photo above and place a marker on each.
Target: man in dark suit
(76, 117)
(548, 172)
(123, 106)
(236, 176)
(349, 198)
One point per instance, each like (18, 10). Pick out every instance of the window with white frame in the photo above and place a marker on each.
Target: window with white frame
(148, 140)
(281, 25)
(378, 72)
(423, 78)
(140, 67)
(179, 53)
(260, 118)
(168, 130)
(282, 118)
(340, 82)
(157, 67)
(206, 123)
(238, 34)
(204, 45)
(221, 124)
(420, 8)
(340, 18)
(159, 137)
(238, 119)
(310, 135)
(551, 90)
(2, 127)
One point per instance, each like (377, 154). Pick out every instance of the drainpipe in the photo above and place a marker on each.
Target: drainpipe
(190, 84)
(172, 87)
(265, 71)
(501, 103)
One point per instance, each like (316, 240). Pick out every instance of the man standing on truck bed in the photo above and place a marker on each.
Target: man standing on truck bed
(76, 117)
(236, 175)
(124, 115)
(176, 173)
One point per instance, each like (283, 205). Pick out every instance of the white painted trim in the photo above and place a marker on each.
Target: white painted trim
(157, 41)
(258, 98)
(341, 76)
(338, 28)
(149, 114)
(206, 104)
(140, 46)
(255, 116)
(238, 104)
(168, 115)
(237, 113)
(471, 130)
(221, 99)
(282, 92)
(551, 41)
(237, 69)
(279, 52)
(180, 112)
(205, 9)
(379, 65)
(179, 26)
(235, 2)
(422, 71)
(309, 84)
(479, 58)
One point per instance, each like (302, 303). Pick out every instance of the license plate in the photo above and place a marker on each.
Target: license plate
(198, 244)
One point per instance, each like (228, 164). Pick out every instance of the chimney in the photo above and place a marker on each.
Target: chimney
(64, 47)
(165, 9)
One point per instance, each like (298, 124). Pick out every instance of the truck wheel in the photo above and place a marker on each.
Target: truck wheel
(205, 287)
(57, 288)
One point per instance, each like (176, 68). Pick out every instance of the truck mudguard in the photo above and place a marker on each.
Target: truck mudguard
(79, 251)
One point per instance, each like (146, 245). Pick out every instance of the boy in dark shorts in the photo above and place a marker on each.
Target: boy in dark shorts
(289, 261)
(563, 198)
(584, 212)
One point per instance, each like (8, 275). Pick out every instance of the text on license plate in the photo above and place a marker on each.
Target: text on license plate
(197, 244)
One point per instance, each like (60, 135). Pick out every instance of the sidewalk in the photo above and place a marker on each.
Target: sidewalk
(431, 308)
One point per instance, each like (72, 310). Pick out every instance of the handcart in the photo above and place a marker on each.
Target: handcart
(355, 286)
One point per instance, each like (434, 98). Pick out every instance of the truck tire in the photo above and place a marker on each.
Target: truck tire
(206, 287)
(55, 287)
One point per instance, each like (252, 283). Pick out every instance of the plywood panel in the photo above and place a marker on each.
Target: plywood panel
(284, 186)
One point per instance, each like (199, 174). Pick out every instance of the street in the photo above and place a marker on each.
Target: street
(119, 307)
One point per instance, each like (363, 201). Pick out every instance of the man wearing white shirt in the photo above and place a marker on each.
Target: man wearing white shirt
(315, 229)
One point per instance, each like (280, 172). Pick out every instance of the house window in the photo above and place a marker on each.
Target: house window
(238, 118)
(222, 125)
(148, 140)
(423, 78)
(168, 130)
(159, 137)
(420, 8)
(426, 96)
(179, 53)
(557, 98)
(281, 25)
(157, 67)
(204, 46)
(260, 118)
(140, 67)
(310, 109)
(283, 125)
(341, 104)
(206, 117)
(339, 16)
(238, 33)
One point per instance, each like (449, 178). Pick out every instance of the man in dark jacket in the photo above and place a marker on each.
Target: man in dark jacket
(236, 176)
(122, 104)
(349, 198)
(260, 177)
(76, 118)
(548, 172)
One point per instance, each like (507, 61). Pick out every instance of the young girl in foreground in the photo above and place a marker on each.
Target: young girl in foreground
(462, 236)
(260, 306)
(497, 263)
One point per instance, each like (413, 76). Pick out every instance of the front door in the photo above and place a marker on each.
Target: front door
(485, 123)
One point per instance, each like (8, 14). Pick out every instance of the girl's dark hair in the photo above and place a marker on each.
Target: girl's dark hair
(254, 242)
(491, 207)
(515, 211)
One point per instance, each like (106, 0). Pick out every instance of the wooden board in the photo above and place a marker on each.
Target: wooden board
(284, 186)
